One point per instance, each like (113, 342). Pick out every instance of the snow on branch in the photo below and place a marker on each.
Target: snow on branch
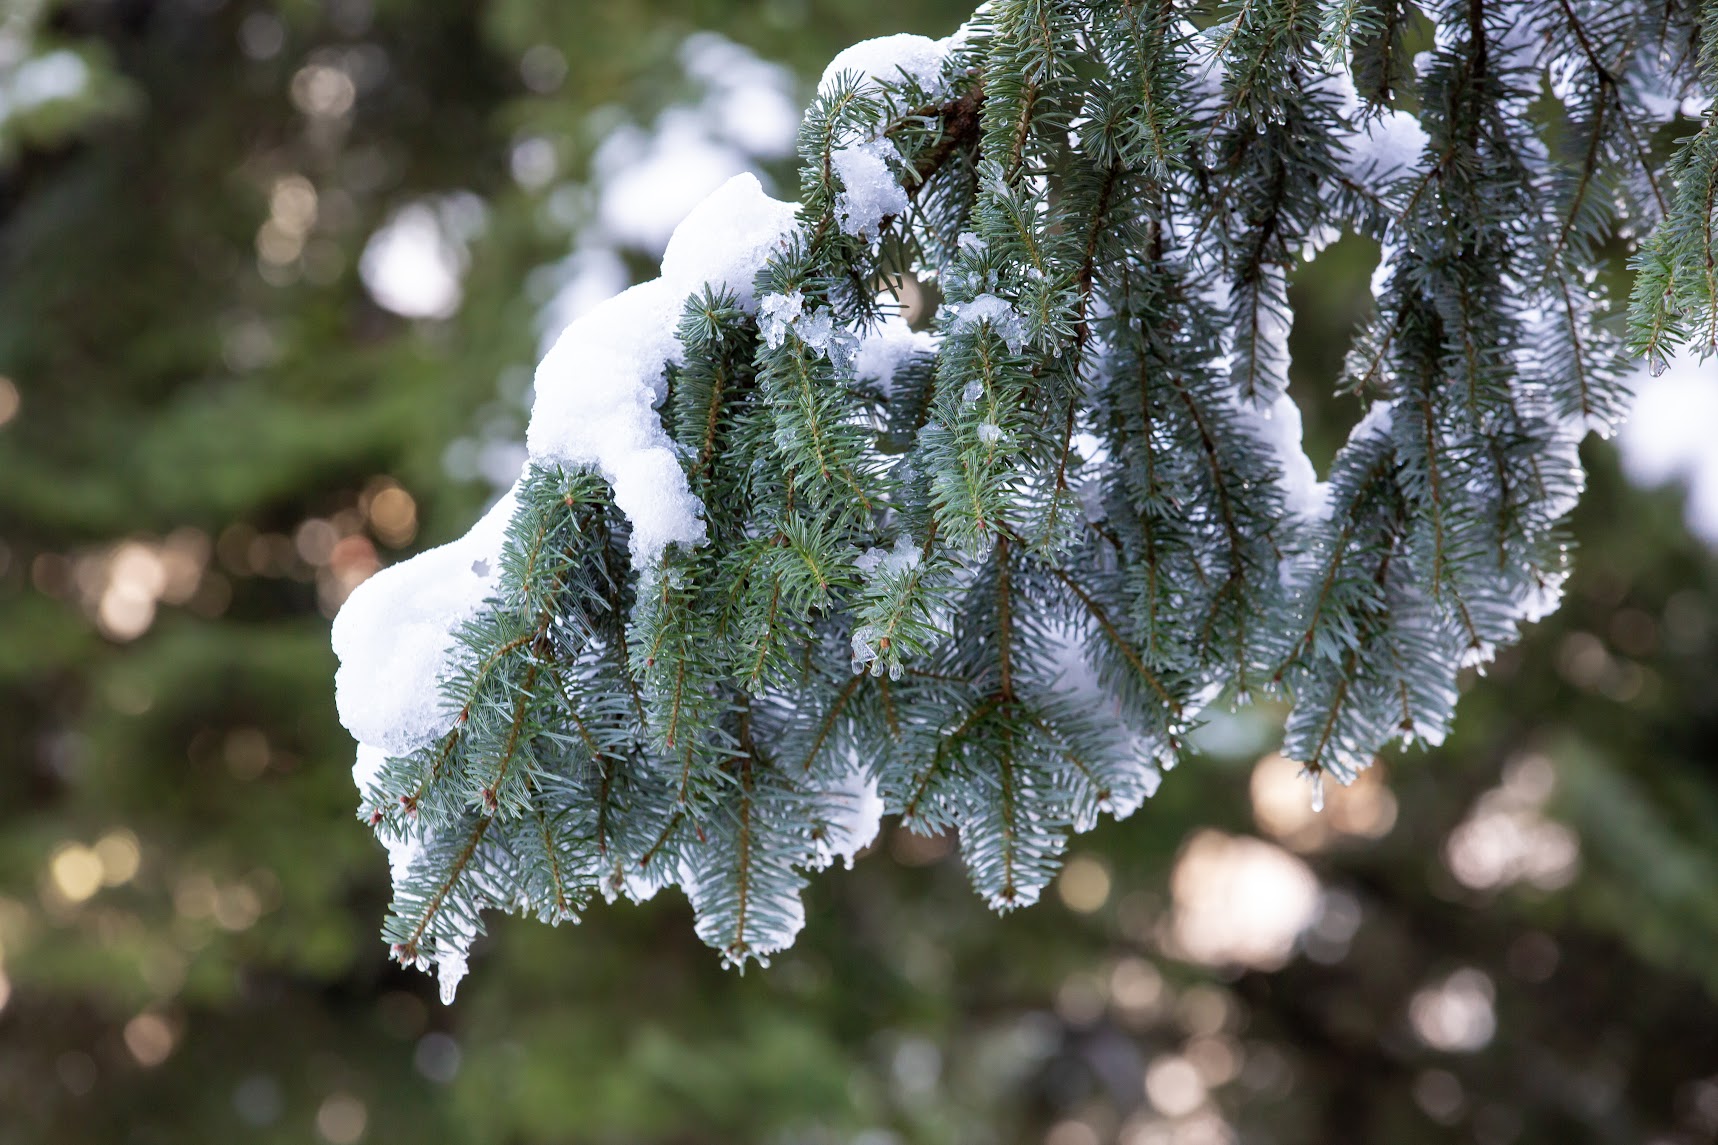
(960, 489)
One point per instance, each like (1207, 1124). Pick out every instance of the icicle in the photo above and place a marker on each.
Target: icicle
(451, 968)
(1317, 778)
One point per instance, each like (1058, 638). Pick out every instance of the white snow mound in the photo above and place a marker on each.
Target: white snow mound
(599, 385)
(597, 391)
(394, 636)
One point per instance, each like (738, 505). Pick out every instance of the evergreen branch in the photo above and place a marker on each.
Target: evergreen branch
(962, 126)
(1119, 642)
(1110, 241)
(563, 902)
(827, 724)
(406, 951)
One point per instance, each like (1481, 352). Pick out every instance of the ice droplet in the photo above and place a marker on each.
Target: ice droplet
(1317, 778)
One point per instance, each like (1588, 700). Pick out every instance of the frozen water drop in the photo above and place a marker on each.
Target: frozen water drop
(1317, 791)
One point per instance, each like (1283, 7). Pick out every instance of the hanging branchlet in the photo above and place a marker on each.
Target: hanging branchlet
(784, 563)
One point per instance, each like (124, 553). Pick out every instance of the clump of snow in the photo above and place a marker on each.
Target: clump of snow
(899, 561)
(367, 767)
(1380, 280)
(989, 432)
(727, 239)
(1264, 373)
(871, 191)
(819, 331)
(864, 652)
(1317, 239)
(780, 313)
(769, 929)
(1386, 147)
(395, 636)
(1278, 425)
(1073, 677)
(1376, 423)
(888, 58)
(874, 565)
(854, 815)
(1275, 421)
(886, 348)
(1001, 316)
(1090, 447)
(450, 971)
(598, 387)
(776, 315)
(1664, 104)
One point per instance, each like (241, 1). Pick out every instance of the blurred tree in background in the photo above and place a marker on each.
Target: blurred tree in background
(263, 269)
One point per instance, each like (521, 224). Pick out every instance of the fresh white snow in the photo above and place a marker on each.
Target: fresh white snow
(998, 312)
(1278, 425)
(888, 346)
(888, 58)
(853, 812)
(395, 637)
(596, 396)
(871, 191)
(598, 387)
(1385, 148)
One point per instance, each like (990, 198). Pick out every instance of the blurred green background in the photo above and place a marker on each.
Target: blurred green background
(272, 281)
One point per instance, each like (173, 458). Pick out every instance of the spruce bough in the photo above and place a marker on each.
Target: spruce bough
(781, 563)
